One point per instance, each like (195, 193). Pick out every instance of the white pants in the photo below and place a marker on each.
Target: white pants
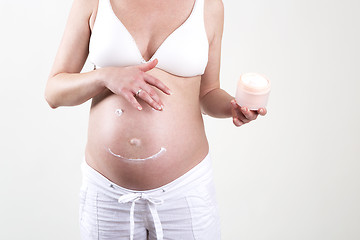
(185, 208)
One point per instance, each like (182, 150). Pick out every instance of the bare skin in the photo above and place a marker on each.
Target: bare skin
(178, 126)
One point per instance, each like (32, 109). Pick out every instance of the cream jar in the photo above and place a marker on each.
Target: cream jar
(253, 91)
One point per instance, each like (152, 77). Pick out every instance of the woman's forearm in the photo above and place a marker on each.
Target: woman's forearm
(216, 103)
(70, 89)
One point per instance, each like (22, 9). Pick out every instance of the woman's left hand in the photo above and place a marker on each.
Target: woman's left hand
(242, 115)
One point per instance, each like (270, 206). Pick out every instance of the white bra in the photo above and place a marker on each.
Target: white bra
(183, 53)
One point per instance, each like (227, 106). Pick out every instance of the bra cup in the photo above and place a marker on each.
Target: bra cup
(188, 56)
(110, 44)
(189, 48)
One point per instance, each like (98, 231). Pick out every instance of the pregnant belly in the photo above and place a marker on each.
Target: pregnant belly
(148, 148)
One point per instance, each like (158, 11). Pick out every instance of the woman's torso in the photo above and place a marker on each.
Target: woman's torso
(171, 141)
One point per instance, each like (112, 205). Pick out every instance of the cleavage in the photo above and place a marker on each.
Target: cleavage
(150, 28)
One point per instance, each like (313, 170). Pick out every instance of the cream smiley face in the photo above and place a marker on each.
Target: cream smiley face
(160, 152)
(135, 142)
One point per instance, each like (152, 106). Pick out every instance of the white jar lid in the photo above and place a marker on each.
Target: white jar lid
(254, 80)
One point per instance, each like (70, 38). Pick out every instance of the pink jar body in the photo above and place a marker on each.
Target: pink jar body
(252, 97)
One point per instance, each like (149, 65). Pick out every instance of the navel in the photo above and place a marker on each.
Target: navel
(135, 142)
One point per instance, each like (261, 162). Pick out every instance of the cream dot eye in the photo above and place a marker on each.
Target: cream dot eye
(119, 112)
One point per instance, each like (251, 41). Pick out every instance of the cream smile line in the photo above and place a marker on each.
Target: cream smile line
(139, 159)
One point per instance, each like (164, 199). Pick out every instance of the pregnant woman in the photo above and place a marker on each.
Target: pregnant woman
(147, 168)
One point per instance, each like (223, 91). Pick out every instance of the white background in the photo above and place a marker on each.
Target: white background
(293, 174)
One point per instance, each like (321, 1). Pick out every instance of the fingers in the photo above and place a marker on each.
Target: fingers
(242, 115)
(239, 111)
(152, 80)
(129, 96)
(134, 79)
(157, 83)
(149, 95)
(262, 111)
(148, 66)
(249, 114)
(236, 120)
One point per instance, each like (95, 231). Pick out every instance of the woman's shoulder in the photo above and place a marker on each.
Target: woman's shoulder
(214, 17)
(86, 6)
(214, 6)
(214, 9)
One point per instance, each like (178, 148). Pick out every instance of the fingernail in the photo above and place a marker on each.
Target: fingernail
(261, 110)
(244, 109)
(139, 107)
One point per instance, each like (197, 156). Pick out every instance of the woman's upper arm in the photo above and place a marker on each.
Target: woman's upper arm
(74, 46)
(214, 19)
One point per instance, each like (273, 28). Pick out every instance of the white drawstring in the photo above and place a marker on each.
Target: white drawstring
(133, 197)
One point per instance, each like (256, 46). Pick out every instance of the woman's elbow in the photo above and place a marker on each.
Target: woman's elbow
(49, 97)
(50, 102)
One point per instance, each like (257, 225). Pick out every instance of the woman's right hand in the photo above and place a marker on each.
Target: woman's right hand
(127, 81)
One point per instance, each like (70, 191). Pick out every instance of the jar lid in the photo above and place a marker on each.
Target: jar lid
(254, 82)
